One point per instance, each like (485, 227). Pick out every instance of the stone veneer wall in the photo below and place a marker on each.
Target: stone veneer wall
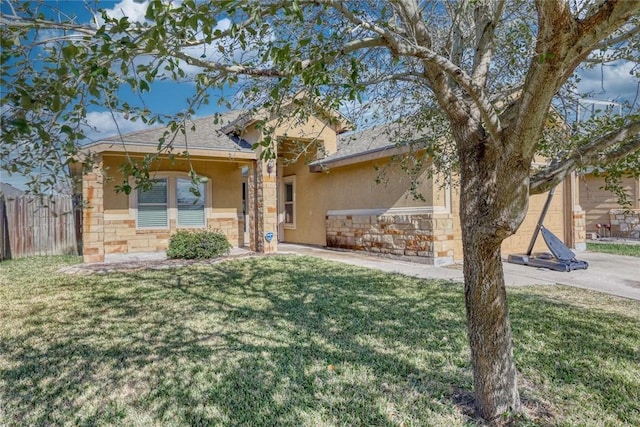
(625, 223)
(121, 235)
(423, 237)
(93, 215)
(579, 236)
(262, 203)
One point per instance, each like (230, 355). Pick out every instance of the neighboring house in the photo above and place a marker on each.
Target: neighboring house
(329, 197)
(605, 217)
(9, 191)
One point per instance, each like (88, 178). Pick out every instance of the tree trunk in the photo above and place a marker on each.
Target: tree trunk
(494, 370)
(493, 202)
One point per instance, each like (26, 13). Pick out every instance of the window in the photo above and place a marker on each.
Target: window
(171, 199)
(152, 205)
(289, 202)
(190, 203)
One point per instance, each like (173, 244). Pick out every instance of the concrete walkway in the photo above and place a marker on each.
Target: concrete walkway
(612, 274)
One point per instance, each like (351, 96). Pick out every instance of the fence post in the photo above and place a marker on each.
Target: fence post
(5, 248)
(77, 219)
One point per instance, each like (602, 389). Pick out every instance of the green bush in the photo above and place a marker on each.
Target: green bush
(198, 245)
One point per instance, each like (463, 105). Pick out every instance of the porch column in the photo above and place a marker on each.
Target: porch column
(93, 214)
(262, 205)
(576, 224)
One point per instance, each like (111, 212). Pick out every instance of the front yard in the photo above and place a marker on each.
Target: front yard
(294, 341)
(615, 248)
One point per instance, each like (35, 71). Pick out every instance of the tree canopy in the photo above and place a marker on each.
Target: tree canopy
(358, 57)
(494, 76)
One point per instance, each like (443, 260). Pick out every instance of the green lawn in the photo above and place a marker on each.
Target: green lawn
(615, 248)
(294, 341)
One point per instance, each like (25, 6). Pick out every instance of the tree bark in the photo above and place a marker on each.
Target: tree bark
(494, 369)
(493, 200)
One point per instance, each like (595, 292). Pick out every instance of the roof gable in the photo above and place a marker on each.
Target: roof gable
(202, 133)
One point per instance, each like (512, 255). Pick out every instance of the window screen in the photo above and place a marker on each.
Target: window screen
(190, 203)
(152, 205)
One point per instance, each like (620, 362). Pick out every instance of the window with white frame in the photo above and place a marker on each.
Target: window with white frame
(190, 203)
(172, 197)
(289, 201)
(153, 205)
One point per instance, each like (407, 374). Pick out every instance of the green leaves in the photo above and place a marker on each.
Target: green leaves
(144, 86)
(69, 52)
(271, 51)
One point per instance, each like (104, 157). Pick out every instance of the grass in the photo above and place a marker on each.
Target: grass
(294, 341)
(615, 248)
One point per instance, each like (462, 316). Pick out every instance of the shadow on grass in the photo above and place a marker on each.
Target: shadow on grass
(588, 355)
(267, 341)
(279, 340)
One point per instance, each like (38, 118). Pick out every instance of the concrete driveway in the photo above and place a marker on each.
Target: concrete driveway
(612, 274)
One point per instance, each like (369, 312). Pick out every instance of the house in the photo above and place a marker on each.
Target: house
(9, 191)
(605, 217)
(327, 196)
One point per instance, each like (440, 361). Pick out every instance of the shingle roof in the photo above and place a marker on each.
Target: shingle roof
(9, 190)
(375, 139)
(207, 135)
(210, 134)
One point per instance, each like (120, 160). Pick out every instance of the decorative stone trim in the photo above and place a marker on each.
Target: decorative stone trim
(580, 230)
(121, 235)
(93, 215)
(625, 223)
(424, 237)
(263, 207)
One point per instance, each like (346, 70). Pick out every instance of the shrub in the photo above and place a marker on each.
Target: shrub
(198, 245)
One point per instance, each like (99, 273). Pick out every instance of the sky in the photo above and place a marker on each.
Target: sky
(603, 83)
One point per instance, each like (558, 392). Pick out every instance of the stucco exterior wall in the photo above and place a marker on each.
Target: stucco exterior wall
(598, 202)
(346, 188)
(519, 242)
(345, 207)
(314, 130)
(554, 221)
(223, 205)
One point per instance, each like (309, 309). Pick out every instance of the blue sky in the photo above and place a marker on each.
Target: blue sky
(604, 83)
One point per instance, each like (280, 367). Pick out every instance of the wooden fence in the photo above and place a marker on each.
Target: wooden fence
(32, 225)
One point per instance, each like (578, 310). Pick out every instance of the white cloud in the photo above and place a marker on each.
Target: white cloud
(614, 82)
(209, 52)
(101, 124)
(133, 10)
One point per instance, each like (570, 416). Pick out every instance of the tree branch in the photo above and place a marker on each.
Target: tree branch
(563, 43)
(592, 153)
(487, 111)
(341, 7)
(421, 48)
(21, 22)
(619, 39)
(354, 45)
(485, 33)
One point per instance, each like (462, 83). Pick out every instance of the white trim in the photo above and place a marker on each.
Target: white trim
(174, 196)
(352, 159)
(172, 202)
(167, 204)
(416, 210)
